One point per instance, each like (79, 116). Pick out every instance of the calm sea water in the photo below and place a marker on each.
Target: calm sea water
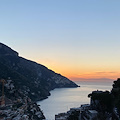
(62, 99)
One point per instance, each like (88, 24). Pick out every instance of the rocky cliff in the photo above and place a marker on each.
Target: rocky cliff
(33, 79)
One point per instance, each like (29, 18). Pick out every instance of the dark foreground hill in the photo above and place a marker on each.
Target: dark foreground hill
(31, 78)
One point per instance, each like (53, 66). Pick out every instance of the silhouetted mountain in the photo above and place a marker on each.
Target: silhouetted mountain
(33, 79)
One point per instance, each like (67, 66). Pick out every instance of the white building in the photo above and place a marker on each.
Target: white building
(92, 114)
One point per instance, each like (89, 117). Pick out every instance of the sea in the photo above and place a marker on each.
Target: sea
(62, 99)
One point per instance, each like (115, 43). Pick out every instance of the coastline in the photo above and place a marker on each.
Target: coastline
(68, 98)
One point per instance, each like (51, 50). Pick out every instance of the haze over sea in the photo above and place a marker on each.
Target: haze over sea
(62, 99)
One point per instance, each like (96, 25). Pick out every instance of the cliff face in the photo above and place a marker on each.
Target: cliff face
(34, 79)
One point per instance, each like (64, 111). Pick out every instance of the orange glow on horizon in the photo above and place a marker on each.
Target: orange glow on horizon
(95, 75)
(77, 73)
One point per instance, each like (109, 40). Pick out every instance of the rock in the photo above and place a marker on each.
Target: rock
(31, 78)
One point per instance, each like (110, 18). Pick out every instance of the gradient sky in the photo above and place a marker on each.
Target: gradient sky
(77, 38)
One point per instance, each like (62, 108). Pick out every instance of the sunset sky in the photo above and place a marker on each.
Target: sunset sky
(76, 38)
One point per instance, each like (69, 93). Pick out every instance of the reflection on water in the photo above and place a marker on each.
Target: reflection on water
(62, 99)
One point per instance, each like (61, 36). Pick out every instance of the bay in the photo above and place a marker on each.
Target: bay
(62, 99)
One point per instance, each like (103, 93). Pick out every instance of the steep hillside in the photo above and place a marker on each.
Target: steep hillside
(33, 79)
(15, 105)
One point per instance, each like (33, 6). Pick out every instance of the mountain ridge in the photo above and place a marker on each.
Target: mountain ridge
(34, 79)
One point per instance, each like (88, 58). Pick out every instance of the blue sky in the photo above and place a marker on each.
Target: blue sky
(75, 38)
